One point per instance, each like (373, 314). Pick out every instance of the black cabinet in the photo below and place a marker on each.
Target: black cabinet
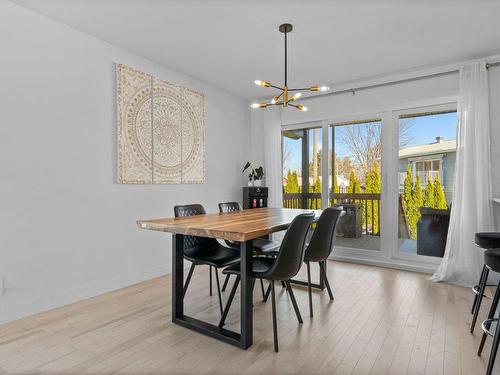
(254, 197)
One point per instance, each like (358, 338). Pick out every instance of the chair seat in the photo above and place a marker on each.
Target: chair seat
(259, 265)
(265, 246)
(488, 240)
(216, 255)
(492, 259)
(311, 258)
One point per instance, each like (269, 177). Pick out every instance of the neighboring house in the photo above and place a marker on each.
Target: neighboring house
(429, 160)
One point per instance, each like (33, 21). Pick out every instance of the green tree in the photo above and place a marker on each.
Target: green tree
(336, 188)
(409, 206)
(372, 186)
(354, 185)
(439, 197)
(292, 185)
(429, 194)
(418, 193)
(315, 203)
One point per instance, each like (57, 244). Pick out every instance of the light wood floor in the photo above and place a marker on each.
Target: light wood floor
(382, 321)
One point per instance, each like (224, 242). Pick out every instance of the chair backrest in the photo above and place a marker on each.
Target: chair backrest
(229, 207)
(192, 242)
(323, 238)
(291, 253)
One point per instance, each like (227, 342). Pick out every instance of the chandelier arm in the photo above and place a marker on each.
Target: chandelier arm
(276, 87)
(302, 89)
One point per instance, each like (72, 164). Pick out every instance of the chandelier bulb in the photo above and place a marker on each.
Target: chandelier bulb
(324, 88)
(258, 82)
(258, 105)
(296, 96)
(302, 108)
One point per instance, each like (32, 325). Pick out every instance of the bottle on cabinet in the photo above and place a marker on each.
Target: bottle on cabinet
(255, 197)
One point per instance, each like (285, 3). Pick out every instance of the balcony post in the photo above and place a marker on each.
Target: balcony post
(305, 168)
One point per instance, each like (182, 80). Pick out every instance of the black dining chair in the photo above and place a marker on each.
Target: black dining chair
(321, 246)
(205, 251)
(283, 267)
(261, 246)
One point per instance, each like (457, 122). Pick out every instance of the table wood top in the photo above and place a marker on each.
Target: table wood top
(236, 226)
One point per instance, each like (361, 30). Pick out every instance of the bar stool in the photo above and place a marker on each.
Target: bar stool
(484, 240)
(492, 262)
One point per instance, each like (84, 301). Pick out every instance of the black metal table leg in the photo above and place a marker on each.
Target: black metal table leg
(177, 276)
(246, 308)
(243, 339)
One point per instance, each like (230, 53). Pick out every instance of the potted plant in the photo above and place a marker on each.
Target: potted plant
(255, 176)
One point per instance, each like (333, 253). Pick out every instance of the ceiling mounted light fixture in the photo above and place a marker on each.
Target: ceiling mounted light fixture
(284, 99)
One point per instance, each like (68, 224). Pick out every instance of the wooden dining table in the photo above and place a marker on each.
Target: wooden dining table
(242, 226)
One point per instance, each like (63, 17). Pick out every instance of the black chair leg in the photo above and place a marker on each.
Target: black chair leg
(218, 290)
(283, 285)
(188, 279)
(275, 325)
(268, 292)
(229, 302)
(294, 302)
(476, 296)
(493, 353)
(478, 303)
(210, 280)
(322, 268)
(309, 289)
(262, 290)
(226, 281)
(491, 314)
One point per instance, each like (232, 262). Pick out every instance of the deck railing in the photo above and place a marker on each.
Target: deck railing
(369, 206)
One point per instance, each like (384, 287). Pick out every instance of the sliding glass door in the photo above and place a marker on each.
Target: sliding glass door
(355, 181)
(302, 172)
(392, 173)
(426, 169)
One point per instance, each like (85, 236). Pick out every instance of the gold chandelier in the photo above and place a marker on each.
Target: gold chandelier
(286, 97)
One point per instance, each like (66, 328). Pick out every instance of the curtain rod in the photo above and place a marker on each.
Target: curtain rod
(390, 83)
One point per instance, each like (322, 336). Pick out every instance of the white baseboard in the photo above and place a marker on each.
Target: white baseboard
(64, 297)
(388, 263)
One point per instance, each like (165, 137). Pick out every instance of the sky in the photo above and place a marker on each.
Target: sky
(423, 130)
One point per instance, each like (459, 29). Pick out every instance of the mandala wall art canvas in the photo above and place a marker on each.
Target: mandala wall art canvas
(160, 130)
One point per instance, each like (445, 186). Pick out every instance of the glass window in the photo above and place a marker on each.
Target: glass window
(425, 191)
(355, 182)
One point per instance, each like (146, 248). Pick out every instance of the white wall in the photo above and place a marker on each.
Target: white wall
(68, 229)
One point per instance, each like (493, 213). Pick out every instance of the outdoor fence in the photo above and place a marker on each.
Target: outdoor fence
(369, 206)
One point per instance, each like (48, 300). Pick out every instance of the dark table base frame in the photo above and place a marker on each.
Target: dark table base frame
(244, 339)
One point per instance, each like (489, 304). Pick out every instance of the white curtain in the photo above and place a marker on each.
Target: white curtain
(272, 156)
(471, 209)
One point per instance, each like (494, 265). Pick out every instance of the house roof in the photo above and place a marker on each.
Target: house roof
(429, 149)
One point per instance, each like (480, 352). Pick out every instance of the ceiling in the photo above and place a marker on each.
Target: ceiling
(231, 43)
